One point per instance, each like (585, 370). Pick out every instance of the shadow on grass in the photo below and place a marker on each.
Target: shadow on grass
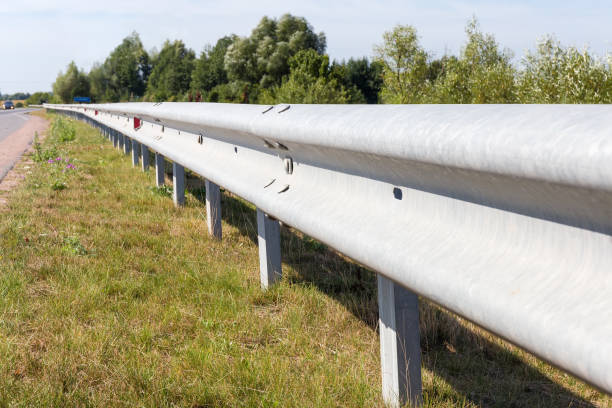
(477, 369)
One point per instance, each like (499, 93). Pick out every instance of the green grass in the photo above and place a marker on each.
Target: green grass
(111, 297)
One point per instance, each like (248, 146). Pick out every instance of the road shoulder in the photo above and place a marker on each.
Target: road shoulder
(13, 162)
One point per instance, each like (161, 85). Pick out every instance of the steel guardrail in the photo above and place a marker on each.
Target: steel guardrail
(499, 213)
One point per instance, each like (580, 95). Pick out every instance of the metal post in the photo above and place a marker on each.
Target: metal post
(213, 209)
(400, 349)
(144, 152)
(160, 177)
(268, 238)
(135, 152)
(121, 140)
(178, 180)
(127, 145)
(115, 138)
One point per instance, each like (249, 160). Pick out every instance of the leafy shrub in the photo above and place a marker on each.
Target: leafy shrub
(43, 154)
(74, 246)
(58, 185)
(164, 190)
(63, 130)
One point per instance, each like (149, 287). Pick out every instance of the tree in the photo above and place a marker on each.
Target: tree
(263, 58)
(18, 96)
(73, 83)
(124, 74)
(555, 74)
(171, 75)
(99, 81)
(362, 75)
(38, 98)
(128, 68)
(482, 74)
(209, 70)
(404, 66)
(311, 80)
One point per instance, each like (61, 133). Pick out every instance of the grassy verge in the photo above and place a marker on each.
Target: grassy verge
(109, 296)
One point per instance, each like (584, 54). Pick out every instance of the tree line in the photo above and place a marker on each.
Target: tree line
(284, 61)
(18, 96)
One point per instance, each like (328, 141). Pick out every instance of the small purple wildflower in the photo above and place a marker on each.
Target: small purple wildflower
(50, 161)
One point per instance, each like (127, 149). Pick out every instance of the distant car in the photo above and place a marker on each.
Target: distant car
(8, 105)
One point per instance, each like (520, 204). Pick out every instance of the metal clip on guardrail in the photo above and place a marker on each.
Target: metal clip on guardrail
(502, 214)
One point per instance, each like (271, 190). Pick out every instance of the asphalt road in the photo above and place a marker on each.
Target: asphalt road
(17, 130)
(12, 120)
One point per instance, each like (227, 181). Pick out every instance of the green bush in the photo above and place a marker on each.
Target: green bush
(43, 154)
(73, 245)
(63, 129)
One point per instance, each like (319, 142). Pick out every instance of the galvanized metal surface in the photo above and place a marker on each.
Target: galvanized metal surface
(213, 209)
(268, 241)
(400, 346)
(502, 214)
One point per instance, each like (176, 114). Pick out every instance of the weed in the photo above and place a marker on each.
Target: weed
(74, 246)
(164, 190)
(59, 185)
(63, 130)
(43, 154)
(314, 245)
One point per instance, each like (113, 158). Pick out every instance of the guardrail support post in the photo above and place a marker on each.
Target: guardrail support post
(213, 209)
(178, 180)
(126, 144)
(114, 137)
(400, 348)
(135, 153)
(268, 238)
(160, 177)
(144, 152)
(120, 139)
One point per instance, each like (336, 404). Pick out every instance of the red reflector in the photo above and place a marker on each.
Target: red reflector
(137, 123)
(96, 113)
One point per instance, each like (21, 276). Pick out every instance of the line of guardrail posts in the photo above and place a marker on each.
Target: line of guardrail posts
(400, 351)
(144, 152)
(160, 164)
(178, 184)
(268, 239)
(213, 209)
(135, 153)
(400, 348)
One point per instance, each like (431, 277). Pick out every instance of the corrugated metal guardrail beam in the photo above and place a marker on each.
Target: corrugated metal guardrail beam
(500, 213)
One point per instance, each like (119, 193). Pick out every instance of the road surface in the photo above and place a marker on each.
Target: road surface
(12, 120)
(16, 134)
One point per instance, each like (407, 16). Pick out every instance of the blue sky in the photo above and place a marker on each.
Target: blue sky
(46, 35)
